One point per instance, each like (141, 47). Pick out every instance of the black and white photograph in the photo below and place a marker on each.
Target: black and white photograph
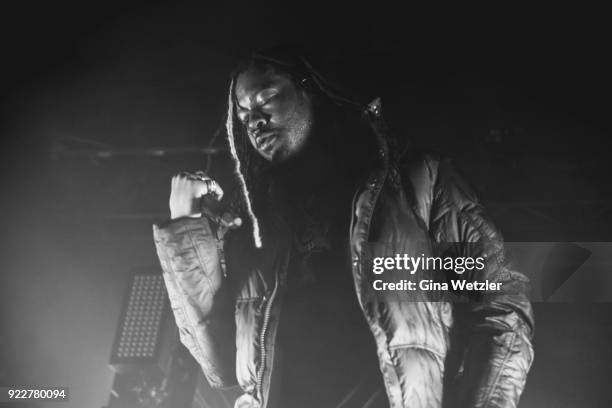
(274, 205)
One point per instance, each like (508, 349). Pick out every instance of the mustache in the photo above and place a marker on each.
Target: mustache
(261, 130)
(261, 135)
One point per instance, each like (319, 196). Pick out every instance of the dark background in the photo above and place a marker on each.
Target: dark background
(519, 97)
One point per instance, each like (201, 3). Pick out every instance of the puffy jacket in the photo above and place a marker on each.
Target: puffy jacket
(432, 353)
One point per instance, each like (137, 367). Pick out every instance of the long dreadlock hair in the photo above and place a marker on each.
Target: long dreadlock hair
(248, 165)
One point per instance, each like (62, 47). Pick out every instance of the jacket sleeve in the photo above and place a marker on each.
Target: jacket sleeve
(499, 324)
(191, 258)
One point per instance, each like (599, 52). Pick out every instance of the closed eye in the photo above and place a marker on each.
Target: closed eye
(268, 100)
(266, 96)
(242, 116)
(262, 99)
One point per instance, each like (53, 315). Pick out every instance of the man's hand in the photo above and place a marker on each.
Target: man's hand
(187, 190)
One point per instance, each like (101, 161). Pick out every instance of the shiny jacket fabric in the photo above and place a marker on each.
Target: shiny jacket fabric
(435, 353)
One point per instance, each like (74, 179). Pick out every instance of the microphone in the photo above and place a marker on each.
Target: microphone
(212, 209)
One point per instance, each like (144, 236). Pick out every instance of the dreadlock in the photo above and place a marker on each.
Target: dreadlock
(241, 179)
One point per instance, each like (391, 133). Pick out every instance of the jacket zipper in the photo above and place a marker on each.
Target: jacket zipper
(262, 337)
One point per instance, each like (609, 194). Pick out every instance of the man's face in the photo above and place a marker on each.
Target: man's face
(276, 114)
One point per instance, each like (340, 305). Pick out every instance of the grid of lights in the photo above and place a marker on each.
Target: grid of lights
(141, 324)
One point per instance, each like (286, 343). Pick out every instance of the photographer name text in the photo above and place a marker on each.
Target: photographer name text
(410, 265)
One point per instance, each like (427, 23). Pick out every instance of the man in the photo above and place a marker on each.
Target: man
(285, 305)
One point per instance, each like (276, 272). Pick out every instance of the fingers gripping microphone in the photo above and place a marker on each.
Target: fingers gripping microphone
(210, 203)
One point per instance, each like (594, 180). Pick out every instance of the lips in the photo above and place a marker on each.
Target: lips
(265, 140)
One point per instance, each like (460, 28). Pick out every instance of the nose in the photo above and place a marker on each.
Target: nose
(257, 120)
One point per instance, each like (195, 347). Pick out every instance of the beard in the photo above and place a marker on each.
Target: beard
(315, 185)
